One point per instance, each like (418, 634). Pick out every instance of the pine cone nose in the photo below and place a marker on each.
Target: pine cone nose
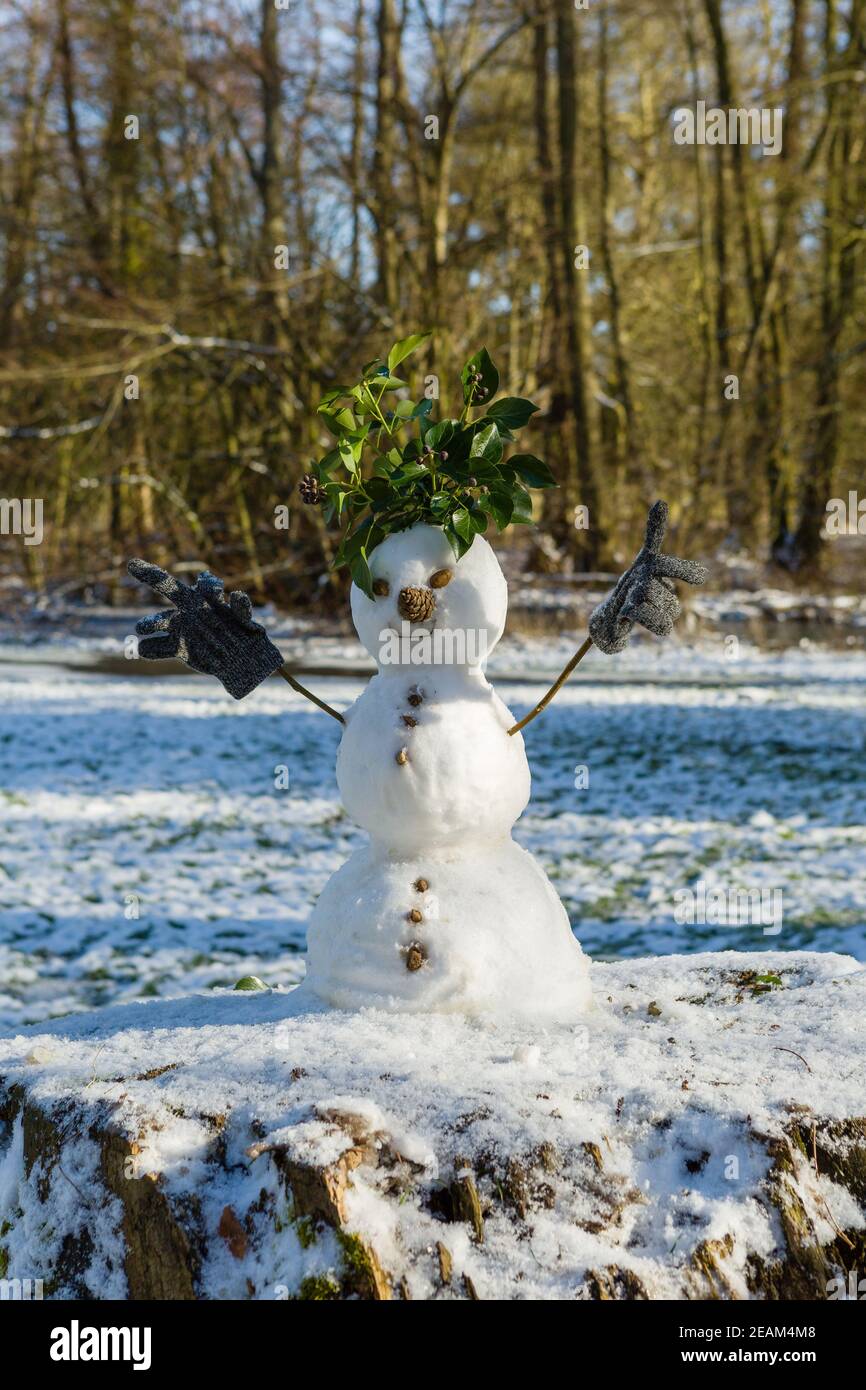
(416, 605)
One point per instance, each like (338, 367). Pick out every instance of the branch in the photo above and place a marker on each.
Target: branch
(176, 341)
(302, 690)
(52, 432)
(557, 686)
(485, 57)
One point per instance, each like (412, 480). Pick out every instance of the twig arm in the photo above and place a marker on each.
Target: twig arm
(557, 685)
(302, 690)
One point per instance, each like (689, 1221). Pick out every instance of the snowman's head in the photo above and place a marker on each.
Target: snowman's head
(430, 608)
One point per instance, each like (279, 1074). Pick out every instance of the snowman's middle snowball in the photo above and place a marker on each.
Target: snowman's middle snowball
(426, 762)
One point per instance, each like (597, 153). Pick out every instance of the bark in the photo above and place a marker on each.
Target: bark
(581, 489)
(95, 226)
(701, 469)
(622, 384)
(27, 170)
(384, 157)
(270, 178)
(121, 154)
(326, 1181)
(547, 192)
(356, 164)
(738, 154)
(841, 266)
(779, 479)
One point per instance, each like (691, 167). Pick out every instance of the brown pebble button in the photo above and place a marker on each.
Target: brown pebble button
(414, 915)
(402, 756)
(415, 697)
(409, 721)
(416, 955)
(420, 885)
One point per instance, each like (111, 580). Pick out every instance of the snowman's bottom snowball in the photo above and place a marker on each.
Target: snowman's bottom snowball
(494, 937)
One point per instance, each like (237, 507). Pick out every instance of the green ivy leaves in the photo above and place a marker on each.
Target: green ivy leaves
(533, 471)
(450, 473)
(400, 351)
(511, 413)
(480, 379)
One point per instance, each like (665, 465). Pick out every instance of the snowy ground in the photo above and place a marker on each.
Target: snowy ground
(146, 850)
(643, 1140)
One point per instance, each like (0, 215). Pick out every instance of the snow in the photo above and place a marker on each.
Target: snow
(163, 791)
(681, 1066)
(160, 840)
(37, 1233)
(496, 938)
(803, 636)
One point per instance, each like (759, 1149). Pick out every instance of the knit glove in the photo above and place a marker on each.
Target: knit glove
(645, 594)
(210, 634)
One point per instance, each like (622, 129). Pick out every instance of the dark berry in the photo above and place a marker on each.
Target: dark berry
(311, 490)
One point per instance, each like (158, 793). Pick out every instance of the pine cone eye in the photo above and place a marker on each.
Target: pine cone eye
(381, 588)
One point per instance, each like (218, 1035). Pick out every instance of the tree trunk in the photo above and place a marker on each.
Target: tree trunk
(20, 211)
(581, 490)
(622, 386)
(274, 227)
(547, 193)
(743, 510)
(388, 38)
(702, 470)
(778, 463)
(357, 157)
(121, 152)
(841, 253)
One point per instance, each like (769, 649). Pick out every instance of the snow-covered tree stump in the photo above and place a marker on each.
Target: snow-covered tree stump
(701, 1134)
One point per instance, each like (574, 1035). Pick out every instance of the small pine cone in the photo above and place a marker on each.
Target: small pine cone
(416, 605)
(311, 490)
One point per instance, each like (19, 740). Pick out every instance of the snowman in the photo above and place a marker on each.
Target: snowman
(441, 910)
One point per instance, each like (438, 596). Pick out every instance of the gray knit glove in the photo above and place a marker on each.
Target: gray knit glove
(208, 633)
(645, 594)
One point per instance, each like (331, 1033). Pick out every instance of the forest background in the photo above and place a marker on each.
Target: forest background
(213, 212)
